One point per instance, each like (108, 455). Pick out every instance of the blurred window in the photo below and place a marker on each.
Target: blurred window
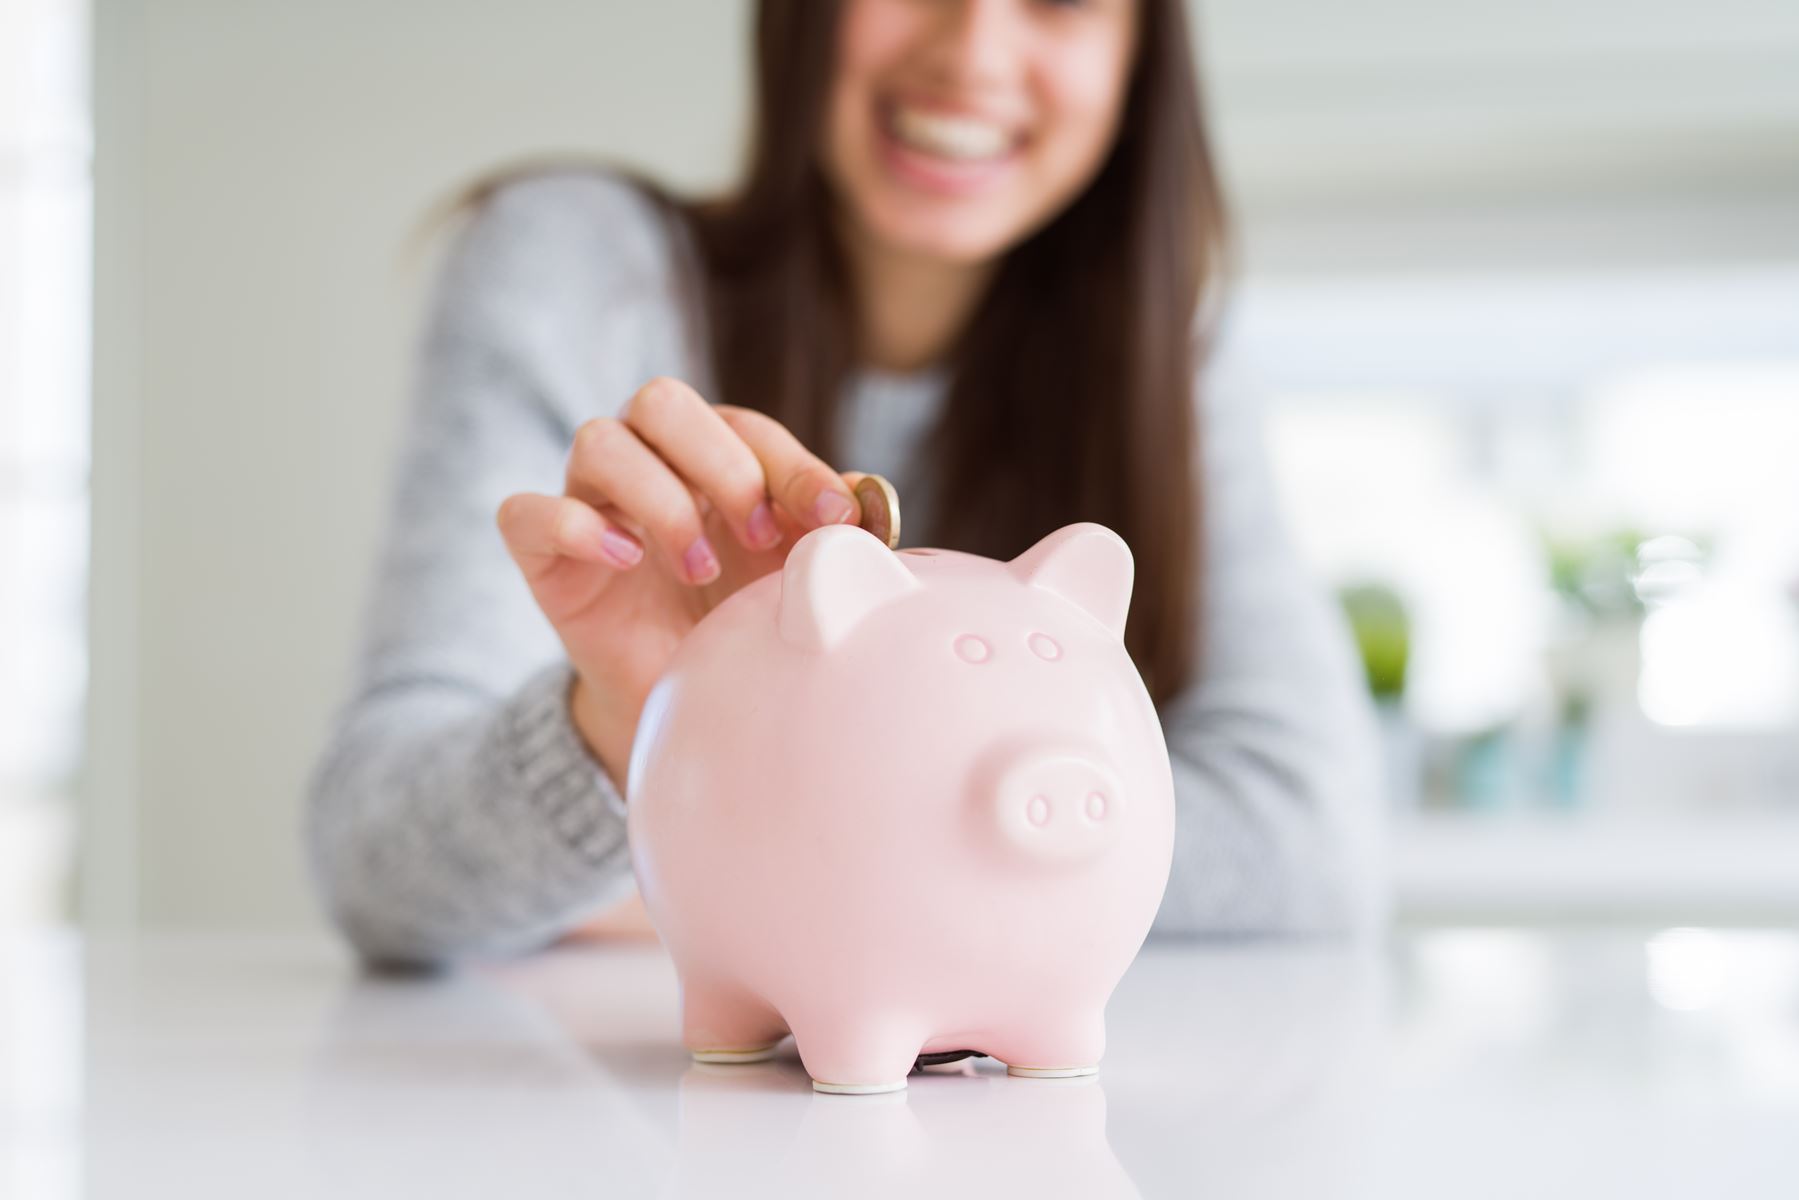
(1582, 490)
(45, 210)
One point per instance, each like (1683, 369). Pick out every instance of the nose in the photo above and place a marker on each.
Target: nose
(1057, 805)
(981, 40)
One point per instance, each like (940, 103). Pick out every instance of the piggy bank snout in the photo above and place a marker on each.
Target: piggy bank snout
(1057, 806)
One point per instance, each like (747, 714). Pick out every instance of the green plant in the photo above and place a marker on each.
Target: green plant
(1594, 573)
(1383, 634)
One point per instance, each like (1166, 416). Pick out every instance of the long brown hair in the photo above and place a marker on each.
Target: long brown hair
(1072, 388)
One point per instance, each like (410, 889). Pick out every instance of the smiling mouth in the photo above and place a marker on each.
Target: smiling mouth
(955, 137)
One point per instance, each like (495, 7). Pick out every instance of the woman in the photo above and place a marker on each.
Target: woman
(970, 253)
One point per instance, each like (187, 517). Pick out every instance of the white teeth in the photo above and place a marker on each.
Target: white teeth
(950, 137)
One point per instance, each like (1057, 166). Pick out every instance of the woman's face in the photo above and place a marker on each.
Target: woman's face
(957, 128)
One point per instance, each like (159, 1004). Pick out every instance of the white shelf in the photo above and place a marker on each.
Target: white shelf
(1476, 866)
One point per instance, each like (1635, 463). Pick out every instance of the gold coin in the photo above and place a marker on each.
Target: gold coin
(880, 508)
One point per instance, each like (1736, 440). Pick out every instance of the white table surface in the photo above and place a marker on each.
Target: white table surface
(1451, 1063)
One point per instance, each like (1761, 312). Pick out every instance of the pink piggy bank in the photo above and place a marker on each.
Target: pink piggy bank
(902, 804)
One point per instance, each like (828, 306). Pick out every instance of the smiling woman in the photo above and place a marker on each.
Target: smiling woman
(972, 252)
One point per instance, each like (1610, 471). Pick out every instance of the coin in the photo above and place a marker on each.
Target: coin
(880, 508)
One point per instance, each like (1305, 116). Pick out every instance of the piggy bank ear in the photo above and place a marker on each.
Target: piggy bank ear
(834, 577)
(1085, 564)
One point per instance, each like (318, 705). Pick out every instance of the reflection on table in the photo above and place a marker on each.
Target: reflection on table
(1467, 1063)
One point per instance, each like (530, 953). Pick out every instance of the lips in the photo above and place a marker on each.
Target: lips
(952, 136)
(937, 152)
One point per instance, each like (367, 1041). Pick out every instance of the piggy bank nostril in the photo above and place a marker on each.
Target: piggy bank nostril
(1037, 811)
(1096, 806)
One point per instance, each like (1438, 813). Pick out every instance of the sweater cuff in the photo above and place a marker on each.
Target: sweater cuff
(558, 776)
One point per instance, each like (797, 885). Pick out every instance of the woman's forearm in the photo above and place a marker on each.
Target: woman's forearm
(1279, 825)
(444, 823)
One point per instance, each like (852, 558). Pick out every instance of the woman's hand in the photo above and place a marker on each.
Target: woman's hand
(665, 512)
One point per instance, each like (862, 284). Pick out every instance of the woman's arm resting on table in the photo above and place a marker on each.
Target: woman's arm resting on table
(455, 809)
(446, 822)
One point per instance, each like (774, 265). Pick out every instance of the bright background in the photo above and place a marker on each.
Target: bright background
(1521, 294)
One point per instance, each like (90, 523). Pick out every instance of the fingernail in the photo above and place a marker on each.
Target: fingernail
(762, 526)
(619, 548)
(701, 564)
(831, 508)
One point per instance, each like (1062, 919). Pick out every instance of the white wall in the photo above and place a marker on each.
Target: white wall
(260, 164)
(1411, 135)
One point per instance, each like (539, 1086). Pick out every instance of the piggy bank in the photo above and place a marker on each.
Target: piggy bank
(905, 804)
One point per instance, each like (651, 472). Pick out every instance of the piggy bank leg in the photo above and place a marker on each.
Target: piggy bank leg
(856, 1057)
(725, 1024)
(1052, 1049)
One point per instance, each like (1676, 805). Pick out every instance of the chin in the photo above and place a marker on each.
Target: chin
(964, 238)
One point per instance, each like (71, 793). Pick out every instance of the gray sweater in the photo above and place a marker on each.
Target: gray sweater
(455, 810)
